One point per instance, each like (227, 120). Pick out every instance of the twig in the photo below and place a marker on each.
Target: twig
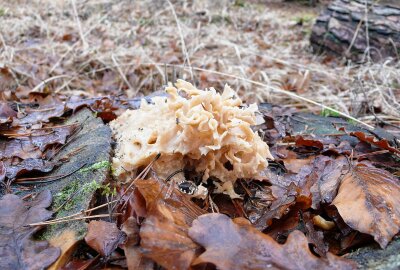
(184, 50)
(123, 75)
(78, 22)
(373, 153)
(31, 180)
(142, 174)
(73, 219)
(37, 87)
(83, 212)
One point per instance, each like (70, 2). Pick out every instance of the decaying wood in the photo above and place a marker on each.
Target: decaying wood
(357, 29)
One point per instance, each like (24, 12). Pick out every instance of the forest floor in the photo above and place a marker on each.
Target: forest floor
(67, 68)
(259, 48)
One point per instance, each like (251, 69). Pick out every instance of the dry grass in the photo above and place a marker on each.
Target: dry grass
(111, 47)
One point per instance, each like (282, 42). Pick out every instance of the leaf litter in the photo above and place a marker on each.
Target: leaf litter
(306, 199)
(237, 245)
(302, 208)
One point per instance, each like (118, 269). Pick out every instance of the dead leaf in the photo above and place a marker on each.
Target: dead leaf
(383, 143)
(312, 144)
(2, 172)
(17, 250)
(29, 165)
(48, 107)
(68, 242)
(325, 187)
(165, 240)
(287, 189)
(19, 148)
(237, 245)
(369, 201)
(104, 237)
(134, 257)
(314, 237)
(279, 207)
(294, 164)
(163, 234)
(32, 144)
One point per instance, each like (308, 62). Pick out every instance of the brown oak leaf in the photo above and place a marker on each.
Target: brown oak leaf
(134, 258)
(17, 249)
(164, 233)
(104, 237)
(368, 200)
(237, 245)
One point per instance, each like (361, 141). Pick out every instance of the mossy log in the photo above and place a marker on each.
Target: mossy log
(358, 29)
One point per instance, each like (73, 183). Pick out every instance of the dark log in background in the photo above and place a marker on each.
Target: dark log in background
(341, 29)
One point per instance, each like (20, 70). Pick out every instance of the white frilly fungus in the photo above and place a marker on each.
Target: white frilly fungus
(194, 128)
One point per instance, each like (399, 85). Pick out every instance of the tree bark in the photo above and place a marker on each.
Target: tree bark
(358, 29)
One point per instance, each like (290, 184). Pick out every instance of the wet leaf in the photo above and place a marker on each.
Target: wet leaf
(29, 165)
(237, 245)
(104, 237)
(369, 201)
(288, 190)
(19, 148)
(294, 162)
(164, 233)
(33, 143)
(17, 249)
(329, 176)
(285, 197)
(312, 144)
(134, 257)
(380, 143)
(48, 107)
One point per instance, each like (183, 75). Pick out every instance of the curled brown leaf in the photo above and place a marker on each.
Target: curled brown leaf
(380, 143)
(368, 200)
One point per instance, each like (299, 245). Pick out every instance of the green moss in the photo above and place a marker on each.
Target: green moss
(107, 191)
(329, 112)
(66, 194)
(73, 193)
(2, 12)
(305, 18)
(350, 121)
(221, 19)
(90, 187)
(239, 3)
(96, 166)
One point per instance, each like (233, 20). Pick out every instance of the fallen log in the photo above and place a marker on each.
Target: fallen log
(359, 30)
